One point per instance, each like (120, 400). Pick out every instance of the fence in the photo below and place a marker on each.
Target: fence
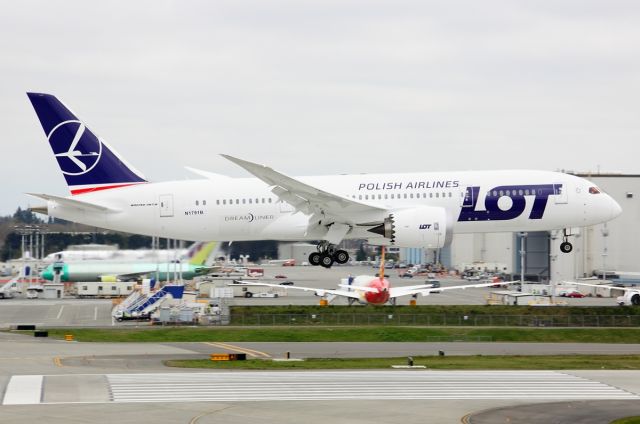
(438, 320)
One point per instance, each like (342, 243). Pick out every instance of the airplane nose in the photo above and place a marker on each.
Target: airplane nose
(615, 208)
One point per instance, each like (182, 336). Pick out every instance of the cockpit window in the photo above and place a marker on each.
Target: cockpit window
(594, 190)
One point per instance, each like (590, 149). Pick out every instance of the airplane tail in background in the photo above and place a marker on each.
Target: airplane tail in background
(200, 252)
(87, 163)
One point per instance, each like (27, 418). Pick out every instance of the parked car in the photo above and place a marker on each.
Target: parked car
(575, 294)
(280, 276)
(287, 283)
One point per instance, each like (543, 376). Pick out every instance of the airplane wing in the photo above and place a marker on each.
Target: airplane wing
(606, 286)
(425, 291)
(74, 203)
(313, 201)
(319, 292)
(131, 276)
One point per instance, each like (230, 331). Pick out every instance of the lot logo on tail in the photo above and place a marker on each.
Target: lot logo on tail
(77, 150)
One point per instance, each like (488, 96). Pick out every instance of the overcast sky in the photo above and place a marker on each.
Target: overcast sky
(324, 87)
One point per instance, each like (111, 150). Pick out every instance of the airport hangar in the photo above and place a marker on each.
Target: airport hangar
(612, 246)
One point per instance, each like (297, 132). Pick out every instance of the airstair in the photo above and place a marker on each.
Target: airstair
(139, 304)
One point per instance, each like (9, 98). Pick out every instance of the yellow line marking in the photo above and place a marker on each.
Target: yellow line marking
(58, 362)
(257, 352)
(250, 352)
(465, 419)
(232, 348)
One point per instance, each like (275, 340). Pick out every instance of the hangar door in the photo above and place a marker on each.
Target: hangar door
(536, 261)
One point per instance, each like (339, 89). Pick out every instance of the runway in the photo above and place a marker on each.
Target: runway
(298, 386)
(55, 382)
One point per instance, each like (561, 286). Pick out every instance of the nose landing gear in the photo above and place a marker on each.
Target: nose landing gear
(565, 246)
(327, 255)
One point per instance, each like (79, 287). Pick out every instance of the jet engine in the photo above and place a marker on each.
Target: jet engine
(423, 226)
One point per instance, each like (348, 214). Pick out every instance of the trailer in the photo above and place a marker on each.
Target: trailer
(104, 289)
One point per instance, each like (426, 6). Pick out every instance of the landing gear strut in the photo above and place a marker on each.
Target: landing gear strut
(327, 255)
(565, 246)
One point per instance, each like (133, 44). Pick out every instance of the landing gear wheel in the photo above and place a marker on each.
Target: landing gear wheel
(341, 257)
(314, 259)
(635, 299)
(566, 247)
(326, 260)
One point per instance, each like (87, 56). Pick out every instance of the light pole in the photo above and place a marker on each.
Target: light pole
(523, 252)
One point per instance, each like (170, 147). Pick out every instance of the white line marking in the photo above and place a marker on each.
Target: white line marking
(95, 313)
(23, 390)
(60, 312)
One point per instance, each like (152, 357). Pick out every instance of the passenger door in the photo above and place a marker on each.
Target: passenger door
(166, 205)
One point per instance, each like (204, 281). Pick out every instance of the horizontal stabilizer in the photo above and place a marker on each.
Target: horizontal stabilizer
(206, 174)
(73, 203)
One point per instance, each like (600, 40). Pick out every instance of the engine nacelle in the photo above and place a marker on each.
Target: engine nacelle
(423, 226)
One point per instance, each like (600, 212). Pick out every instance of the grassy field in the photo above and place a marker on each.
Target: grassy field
(452, 310)
(351, 334)
(628, 420)
(573, 362)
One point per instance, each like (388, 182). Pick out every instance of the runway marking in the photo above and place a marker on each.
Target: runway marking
(57, 362)
(363, 385)
(60, 312)
(95, 313)
(329, 385)
(251, 352)
(23, 390)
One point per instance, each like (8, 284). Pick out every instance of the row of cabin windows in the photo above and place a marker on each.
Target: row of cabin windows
(520, 192)
(242, 201)
(385, 196)
(437, 195)
(263, 200)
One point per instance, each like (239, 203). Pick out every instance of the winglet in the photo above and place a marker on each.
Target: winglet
(253, 168)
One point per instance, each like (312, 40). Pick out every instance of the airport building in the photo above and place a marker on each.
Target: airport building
(612, 246)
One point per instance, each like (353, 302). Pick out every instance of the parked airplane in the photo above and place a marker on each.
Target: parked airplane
(631, 295)
(404, 210)
(375, 290)
(98, 252)
(103, 270)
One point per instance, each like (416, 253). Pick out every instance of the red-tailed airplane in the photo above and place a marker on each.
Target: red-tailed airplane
(376, 290)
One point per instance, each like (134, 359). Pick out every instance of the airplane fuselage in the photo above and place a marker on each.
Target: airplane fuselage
(237, 209)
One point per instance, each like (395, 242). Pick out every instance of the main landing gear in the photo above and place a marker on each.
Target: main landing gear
(565, 246)
(327, 255)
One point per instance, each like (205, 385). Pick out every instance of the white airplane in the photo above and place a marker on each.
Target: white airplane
(375, 290)
(403, 210)
(166, 255)
(631, 294)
